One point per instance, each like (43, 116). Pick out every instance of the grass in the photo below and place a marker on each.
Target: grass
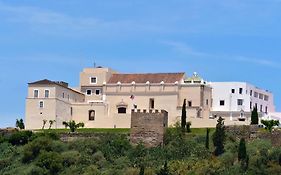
(89, 130)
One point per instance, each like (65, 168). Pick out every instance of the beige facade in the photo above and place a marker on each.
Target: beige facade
(105, 99)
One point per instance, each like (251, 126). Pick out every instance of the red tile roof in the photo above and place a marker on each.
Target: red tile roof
(143, 78)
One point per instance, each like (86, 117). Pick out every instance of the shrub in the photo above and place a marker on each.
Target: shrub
(20, 137)
(50, 161)
(70, 158)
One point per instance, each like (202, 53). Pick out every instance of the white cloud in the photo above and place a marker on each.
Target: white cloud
(187, 50)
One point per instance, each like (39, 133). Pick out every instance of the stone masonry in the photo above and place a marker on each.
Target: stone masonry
(148, 127)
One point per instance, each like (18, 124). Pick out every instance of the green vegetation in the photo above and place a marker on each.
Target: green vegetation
(269, 124)
(20, 124)
(183, 116)
(110, 153)
(255, 116)
(207, 144)
(219, 137)
(73, 126)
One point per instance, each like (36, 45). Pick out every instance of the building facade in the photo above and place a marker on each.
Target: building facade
(105, 99)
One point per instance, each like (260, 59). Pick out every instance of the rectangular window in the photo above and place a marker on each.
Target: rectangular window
(221, 102)
(266, 98)
(251, 92)
(261, 96)
(89, 92)
(240, 102)
(261, 108)
(41, 104)
(97, 91)
(256, 94)
(63, 95)
(266, 109)
(151, 103)
(233, 91)
(93, 80)
(251, 105)
(47, 93)
(189, 103)
(207, 102)
(71, 111)
(36, 93)
(240, 90)
(92, 114)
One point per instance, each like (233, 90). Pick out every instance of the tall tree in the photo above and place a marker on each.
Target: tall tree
(255, 116)
(183, 116)
(207, 138)
(20, 124)
(242, 152)
(219, 137)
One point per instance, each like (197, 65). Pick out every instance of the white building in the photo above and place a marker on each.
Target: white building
(236, 100)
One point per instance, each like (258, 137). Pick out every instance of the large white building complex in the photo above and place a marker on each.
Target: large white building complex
(105, 99)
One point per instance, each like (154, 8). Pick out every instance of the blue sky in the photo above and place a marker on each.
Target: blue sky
(233, 40)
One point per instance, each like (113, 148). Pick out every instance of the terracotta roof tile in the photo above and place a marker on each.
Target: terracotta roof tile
(143, 78)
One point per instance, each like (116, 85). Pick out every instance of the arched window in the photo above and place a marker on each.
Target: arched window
(122, 110)
(92, 114)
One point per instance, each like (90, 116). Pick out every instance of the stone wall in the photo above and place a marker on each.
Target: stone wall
(148, 127)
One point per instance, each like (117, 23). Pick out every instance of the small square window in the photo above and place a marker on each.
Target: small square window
(221, 102)
(240, 102)
(97, 91)
(93, 80)
(89, 92)
(41, 104)
(233, 91)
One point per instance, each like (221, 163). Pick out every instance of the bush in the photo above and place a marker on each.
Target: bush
(20, 137)
(50, 161)
(70, 158)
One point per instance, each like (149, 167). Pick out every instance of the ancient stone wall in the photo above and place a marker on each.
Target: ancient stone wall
(148, 127)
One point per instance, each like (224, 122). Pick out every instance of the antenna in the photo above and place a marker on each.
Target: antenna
(95, 65)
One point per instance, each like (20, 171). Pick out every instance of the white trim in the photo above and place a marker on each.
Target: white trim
(34, 93)
(91, 80)
(45, 93)
(87, 92)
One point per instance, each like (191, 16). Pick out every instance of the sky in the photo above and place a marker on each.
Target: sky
(233, 40)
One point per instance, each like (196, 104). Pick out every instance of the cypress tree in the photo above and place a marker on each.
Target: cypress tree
(207, 138)
(255, 116)
(242, 152)
(183, 116)
(219, 137)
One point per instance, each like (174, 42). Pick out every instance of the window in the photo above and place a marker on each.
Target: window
(256, 94)
(251, 105)
(151, 103)
(266, 109)
(260, 96)
(41, 104)
(62, 95)
(240, 90)
(221, 102)
(189, 103)
(89, 92)
(36, 93)
(122, 110)
(97, 91)
(261, 108)
(266, 98)
(71, 111)
(251, 92)
(47, 93)
(239, 102)
(233, 91)
(93, 80)
(92, 114)
(207, 102)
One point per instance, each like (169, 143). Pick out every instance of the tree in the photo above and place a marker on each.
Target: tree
(72, 125)
(255, 116)
(141, 170)
(51, 123)
(242, 152)
(219, 137)
(20, 124)
(269, 124)
(207, 138)
(183, 116)
(44, 123)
